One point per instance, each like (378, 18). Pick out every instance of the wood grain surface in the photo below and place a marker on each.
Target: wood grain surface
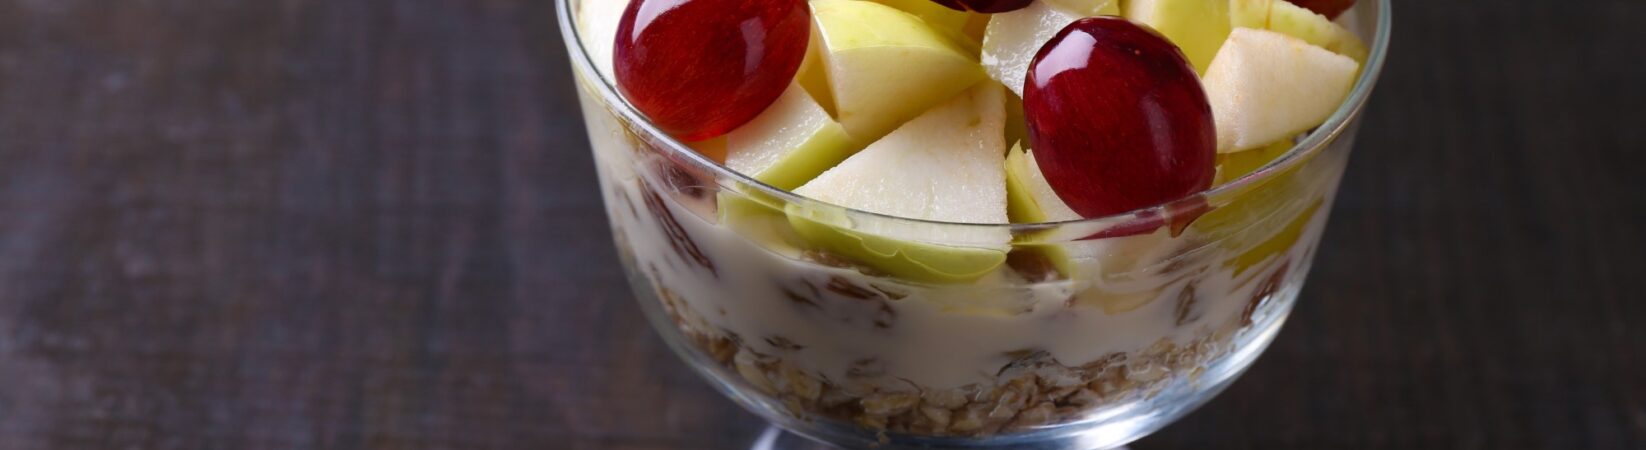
(280, 224)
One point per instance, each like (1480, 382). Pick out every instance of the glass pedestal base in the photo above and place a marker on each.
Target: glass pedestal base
(774, 438)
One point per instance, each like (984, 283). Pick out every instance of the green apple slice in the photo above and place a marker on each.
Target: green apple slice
(1013, 38)
(1266, 86)
(910, 260)
(1030, 198)
(1250, 13)
(936, 15)
(945, 165)
(1017, 124)
(1264, 217)
(1199, 27)
(1233, 166)
(947, 21)
(886, 66)
(1299, 22)
(1088, 8)
(790, 143)
(1279, 243)
(1108, 268)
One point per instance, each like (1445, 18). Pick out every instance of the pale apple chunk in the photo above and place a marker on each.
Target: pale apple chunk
(1266, 86)
(886, 66)
(597, 28)
(947, 166)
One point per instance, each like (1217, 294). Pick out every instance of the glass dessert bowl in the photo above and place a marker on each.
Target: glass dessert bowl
(862, 328)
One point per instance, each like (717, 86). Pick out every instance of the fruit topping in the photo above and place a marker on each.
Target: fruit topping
(1295, 21)
(950, 22)
(814, 77)
(1088, 8)
(945, 165)
(1196, 26)
(597, 24)
(985, 6)
(1118, 119)
(789, 144)
(886, 66)
(700, 68)
(1266, 86)
(1234, 166)
(1011, 40)
(1030, 198)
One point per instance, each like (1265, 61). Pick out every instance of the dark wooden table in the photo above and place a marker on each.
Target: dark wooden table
(242, 224)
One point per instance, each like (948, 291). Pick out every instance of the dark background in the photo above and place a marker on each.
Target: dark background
(239, 224)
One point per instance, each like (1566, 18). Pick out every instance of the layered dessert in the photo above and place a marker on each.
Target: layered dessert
(965, 217)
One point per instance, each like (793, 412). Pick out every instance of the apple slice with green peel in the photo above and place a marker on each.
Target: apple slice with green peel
(1107, 268)
(1265, 216)
(1286, 18)
(1198, 27)
(1017, 124)
(1257, 199)
(1030, 198)
(1013, 38)
(950, 22)
(905, 259)
(1266, 86)
(945, 165)
(1296, 21)
(938, 16)
(886, 66)
(790, 143)
(1278, 243)
(1250, 13)
(1233, 166)
(1088, 8)
(757, 217)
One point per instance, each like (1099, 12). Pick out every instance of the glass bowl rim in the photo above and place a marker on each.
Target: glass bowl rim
(1313, 143)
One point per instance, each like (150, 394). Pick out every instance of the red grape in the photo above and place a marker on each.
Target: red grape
(985, 6)
(1329, 8)
(700, 68)
(1118, 119)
